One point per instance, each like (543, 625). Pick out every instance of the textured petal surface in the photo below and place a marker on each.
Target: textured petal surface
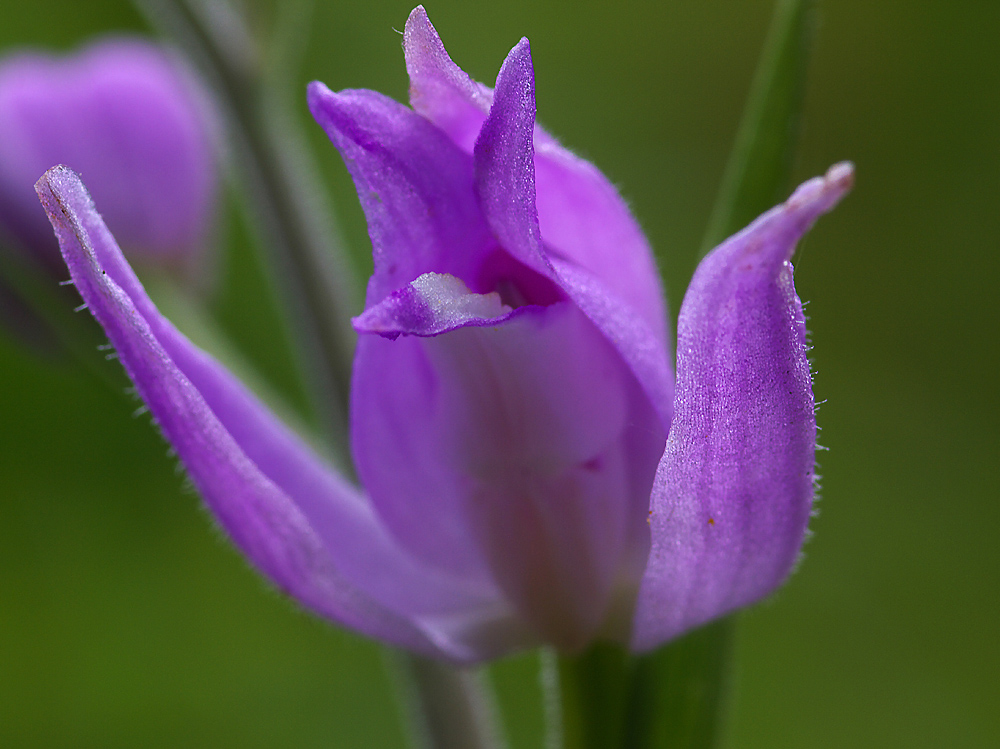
(584, 220)
(298, 522)
(126, 114)
(439, 89)
(734, 490)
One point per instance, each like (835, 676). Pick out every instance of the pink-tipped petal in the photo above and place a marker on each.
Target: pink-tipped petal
(734, 490)
(439, 89)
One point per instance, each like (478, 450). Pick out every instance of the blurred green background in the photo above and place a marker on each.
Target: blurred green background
(126, 621)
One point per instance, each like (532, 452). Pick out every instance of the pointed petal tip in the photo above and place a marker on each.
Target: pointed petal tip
(516, 79)
(56, 173)
(58, 190)
(820, 194)
(418, 33)
(842, 173)
(772, 237)
(315, 87)
(520, 53)
(337, 112)
(417, 15)
(316, 92)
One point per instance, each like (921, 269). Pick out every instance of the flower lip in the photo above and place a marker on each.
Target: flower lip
(432, 304)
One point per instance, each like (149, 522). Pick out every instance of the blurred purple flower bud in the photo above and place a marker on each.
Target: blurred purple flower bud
(512, 393)
(128, 116)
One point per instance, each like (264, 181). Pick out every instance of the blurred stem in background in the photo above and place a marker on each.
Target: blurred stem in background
(49, 325)
(676, 697)
(445, 707)
(283, 195)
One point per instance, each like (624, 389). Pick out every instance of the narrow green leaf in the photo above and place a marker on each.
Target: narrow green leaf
(757, 173)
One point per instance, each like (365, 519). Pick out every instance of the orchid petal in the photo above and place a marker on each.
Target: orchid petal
(415, 186)
(580, 214)
(734, 490)
(394, 396)
(505, 184)
(439, 89)
(513, 443)
(584, 219)
(636, 343)
(504, 158)
(299, 523)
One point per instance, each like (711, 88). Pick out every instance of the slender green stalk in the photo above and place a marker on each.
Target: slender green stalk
(593, 693)
(759, 165)
(446, 707)
(673, 698)
(678, 694)
(283, 194)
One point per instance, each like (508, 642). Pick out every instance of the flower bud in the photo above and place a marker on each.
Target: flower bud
(131, 118)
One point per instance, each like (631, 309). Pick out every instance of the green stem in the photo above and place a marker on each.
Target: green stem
(679, 693)
(673, 698)
(283, 197)
(593, 689)
(447, 707)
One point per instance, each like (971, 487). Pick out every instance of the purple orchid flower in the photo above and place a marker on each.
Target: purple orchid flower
(127, 115)
(512, 392)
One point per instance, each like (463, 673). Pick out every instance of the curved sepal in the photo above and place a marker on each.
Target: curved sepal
(292, 516)
(734, 489)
